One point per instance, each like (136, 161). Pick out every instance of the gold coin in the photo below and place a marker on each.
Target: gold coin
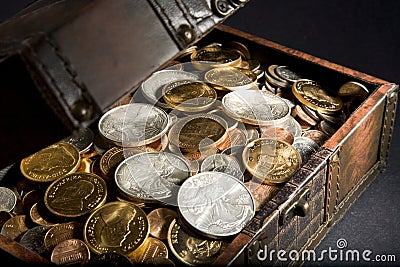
(40, 215)
(109, 161)
(353, 89)
(151, 248)
(51, 163)
(75, 194)
(230, 78)
(198, 133)
(190, 248)
(189, 95)
(216, 56)
(14, 227)
(270, 160)
(118, 227)
(159, 221)
(311, 94)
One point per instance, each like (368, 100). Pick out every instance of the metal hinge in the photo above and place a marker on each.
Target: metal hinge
(298, 206)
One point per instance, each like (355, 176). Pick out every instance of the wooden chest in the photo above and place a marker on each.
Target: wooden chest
(304, 209)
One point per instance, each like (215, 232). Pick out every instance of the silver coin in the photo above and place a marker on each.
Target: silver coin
(83, 139)
(152, 176)
(235, 172)
(273, 78)
(255, 107)
(285, 73)
(152, 87)
(252, 133)
(215, 204)
(305, 151)
(33, 239)
(236, 152)
(217, 160)
(8, 199)
(134, 124)
(232, 123)
(306, 140)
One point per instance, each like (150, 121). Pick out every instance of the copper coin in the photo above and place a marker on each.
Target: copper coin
(317, 136)
(236, 137)
(62, 232)
(39, 214)
(152, 248)
(279, 134)
(15, 227)
(302, 115)
(30, 199)
(159, 220)
(71, 251)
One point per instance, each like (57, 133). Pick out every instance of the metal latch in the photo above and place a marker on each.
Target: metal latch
(298, 206)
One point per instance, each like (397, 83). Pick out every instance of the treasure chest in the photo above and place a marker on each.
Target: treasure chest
(160, 136)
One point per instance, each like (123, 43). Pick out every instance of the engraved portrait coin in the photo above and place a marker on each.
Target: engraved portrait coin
(311, 94)
(255, 107)
(8, 199)
(152, 87)
(134, 124)
(76, 194)
(152, 176)
(190, 248)
(83, 139)
(215, 204)
(70, 252)
(196, 132)
(119, 227)
(189, 95)
(51, 163)
(270, 160)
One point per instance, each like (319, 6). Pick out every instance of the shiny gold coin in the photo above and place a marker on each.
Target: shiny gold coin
(75, 194)
(311, 94)
(51, 163)
(159, 221)
(118, 227)
(230, 78)
(353, 89)
(151, 248)
(85, 165)
(190, 248)
(15, 227)
(241, 48)
(62, 232)
(40, 215)
(216, 56)
(189, 95)
(109, 161)
(198, 133)
(270, 160)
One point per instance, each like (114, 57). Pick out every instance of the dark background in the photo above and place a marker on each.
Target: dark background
(362, 35)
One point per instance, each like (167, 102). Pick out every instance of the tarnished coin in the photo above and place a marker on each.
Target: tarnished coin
(292, 125)
(15, 227)
(83, 139)
(151, 248)
(230, 78)
(255, 107)
(8, 199)
(75, 194)
(311, 94)
(279, 134)
(254, 64)
(190, 248)
(270, 160)
(152, 87)
(305, 150)
(217, 160)
(198, 132)
(353, 88)
(215, 204)
(336, 119)
(287, 74)
(69, 252)
(159, 221)
(33, 239)
(117, 226)
(317, 136)
(152, 176)
(61, 232)
(110, 259)
(216, 57)
(134, 124)
(327, 128)
(189, 95)
(51, 163)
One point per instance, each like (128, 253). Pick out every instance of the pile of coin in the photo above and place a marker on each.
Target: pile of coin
(177, 173)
